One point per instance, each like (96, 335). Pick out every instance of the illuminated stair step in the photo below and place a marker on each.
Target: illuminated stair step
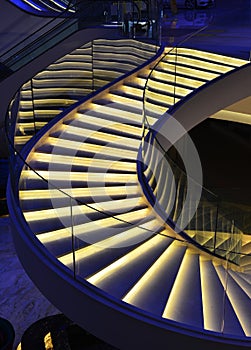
(199, 64)
(214, 301)
(166, 78)
(123, 112)
(51, 102)
(134, 91)
(74, 148)
(45, 84)
(113, 113)
(103, 228)
(120, 276)
(187, 71)
(96, 207)
(31, 180)
(61, 91)
(123, 46)
(245, 262)
(246, 246)
(57, 198)
(26, 127)
(138, 80)
(99, 137)
(161, 99)
(243, 283)
(62, 162)
(46, 114)
(186, 300)
(222, 59)
(125, 100)
(153, 109)
(109, 125)
(158, 278)
(204, 238)
(58, 217)
(163, 88)
(114, 240)
(71, 65)
(235, 305)
(21, 140)
(74, 73)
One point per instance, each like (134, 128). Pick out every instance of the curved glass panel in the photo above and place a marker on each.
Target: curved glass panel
(179, 197)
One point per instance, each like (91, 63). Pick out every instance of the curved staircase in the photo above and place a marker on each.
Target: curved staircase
(80, 195)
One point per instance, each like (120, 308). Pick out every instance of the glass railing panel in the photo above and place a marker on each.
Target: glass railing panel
(236, 303)
(199, 217)
(73, 77)
(48, 211)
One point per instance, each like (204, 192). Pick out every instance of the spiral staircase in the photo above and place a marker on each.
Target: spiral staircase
(96, 247)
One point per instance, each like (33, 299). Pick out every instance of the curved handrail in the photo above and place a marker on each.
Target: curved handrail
(155, 181)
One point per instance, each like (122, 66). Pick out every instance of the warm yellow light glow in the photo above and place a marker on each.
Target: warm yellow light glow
(155, 271)
(126, 260)
(99, 135)
(125, 100)
(180, 290)
(188, 71)
(90, 177)
(110, 124)
(82, 162)
(172, 89)
(232, 116)
(92, 148)
(82, 231)
(60, 212)
(134, 91)
(93, 192)
(198, 63)
(210, 294)
(121, 239)
(240, 305)
(212, 56)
